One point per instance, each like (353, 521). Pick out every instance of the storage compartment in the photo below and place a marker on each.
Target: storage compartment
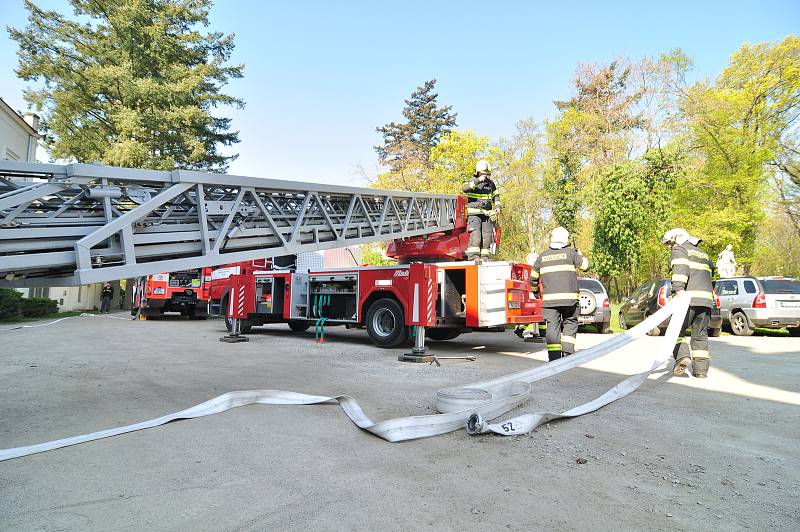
(452, 285)
(270, 294)
(334, 297)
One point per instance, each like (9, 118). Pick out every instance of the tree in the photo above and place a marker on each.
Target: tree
(130, 83)
(631, 217)
(409, 143)
(740, 128)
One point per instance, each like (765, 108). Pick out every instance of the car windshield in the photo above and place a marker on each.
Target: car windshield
(591, 285)
(781, 286)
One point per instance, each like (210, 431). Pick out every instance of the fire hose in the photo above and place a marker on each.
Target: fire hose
(467, 406)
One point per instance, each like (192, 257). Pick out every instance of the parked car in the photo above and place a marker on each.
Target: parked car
(750, 302)
(650, 297)
(594, 303)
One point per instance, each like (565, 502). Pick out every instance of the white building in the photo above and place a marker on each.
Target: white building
(18, 142)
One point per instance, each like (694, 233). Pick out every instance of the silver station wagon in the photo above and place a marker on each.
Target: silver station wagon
(767, 302)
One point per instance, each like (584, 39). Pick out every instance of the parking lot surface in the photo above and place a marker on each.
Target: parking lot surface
(719, 453)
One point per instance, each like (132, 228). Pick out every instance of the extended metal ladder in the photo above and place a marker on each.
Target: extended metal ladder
(64, 225)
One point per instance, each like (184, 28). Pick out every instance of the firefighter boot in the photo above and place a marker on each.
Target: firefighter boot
(681, 364)
(700, 367)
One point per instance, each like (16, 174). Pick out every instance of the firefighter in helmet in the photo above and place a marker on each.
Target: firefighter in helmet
(483, 206)
(557, 269)
(691, 271)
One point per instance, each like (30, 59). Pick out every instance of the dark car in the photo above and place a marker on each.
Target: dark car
(650, 297)
(595, 308)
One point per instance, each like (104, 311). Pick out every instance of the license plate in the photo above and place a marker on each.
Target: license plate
(791, 304)
(585, 319)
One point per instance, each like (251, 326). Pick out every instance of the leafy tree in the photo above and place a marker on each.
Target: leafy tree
(631, 217)
(740, 128)
(130, 83)
(409, 143)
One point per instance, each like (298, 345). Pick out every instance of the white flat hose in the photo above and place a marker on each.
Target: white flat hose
(459, 407)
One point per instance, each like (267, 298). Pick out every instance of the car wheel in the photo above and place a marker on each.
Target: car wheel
(739, 324)
(604, 328)
(622, 324)
(386, 324)
(713, 333)
(793, 331)
(442, 334)
(298, 326)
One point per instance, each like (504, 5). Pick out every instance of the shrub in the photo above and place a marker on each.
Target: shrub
(36, 307)
(10, 304)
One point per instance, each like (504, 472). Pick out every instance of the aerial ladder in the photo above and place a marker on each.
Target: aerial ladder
(66, 225)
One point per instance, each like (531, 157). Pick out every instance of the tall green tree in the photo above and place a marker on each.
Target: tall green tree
(409, 143)
(130, 83)
(740, 128)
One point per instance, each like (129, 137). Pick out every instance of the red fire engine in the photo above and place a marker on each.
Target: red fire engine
(446, 298)
(185, 291)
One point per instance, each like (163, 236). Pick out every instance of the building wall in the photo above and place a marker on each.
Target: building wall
(16, 143)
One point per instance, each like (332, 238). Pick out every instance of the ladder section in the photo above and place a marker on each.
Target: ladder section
(62, 225)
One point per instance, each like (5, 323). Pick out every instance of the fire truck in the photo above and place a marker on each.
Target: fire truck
(431, 288)
(185, 291)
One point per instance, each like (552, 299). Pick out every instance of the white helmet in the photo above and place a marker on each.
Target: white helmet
(482, 167)
(559, 238)
(678, 236)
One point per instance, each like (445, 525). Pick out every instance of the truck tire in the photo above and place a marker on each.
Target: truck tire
(298, 326)
(198, 314)
(443, 334)
(739, 324)
(386, 324)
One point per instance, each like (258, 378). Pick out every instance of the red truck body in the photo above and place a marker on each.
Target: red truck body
(447, 299)
(186, 291)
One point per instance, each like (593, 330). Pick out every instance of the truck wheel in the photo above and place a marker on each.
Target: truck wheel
(443, 334)
(299, 326)
(196, 314)
(740, 325)
(385, 323)
(713, 333)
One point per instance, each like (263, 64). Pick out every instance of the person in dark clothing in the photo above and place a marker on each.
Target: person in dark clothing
(691, 271)
(106, 295)
(556, 269)
(483, 206)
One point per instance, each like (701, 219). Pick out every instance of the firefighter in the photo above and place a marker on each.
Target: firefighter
(557, 269)
(691, 271)
(106, 295)
(483, 206)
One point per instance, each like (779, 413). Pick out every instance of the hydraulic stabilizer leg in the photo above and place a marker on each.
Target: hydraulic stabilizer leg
(419, 353)
(235, 336)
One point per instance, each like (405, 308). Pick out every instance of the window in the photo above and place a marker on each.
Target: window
(591, 285)
(40, 292)
(750, 286)
(781, 286)
(652, 290)
(728, 288)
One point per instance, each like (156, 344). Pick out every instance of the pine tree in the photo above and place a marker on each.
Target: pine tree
(130, 83)
(410, 142)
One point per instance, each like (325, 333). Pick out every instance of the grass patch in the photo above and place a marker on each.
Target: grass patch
(53, 316)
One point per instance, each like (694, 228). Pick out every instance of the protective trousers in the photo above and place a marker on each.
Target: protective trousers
(481, 236)
(698, 318)
(562, 328)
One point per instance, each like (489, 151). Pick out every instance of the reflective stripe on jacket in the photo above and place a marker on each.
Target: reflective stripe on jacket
(482, 196)
(557, 269)
(691, 271)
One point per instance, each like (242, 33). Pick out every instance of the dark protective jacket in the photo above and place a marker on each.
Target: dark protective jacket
(107, 291)
(691, 271)
(557, 269)
(482, 196)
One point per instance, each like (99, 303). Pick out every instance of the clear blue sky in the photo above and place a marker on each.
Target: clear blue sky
(321, 76)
